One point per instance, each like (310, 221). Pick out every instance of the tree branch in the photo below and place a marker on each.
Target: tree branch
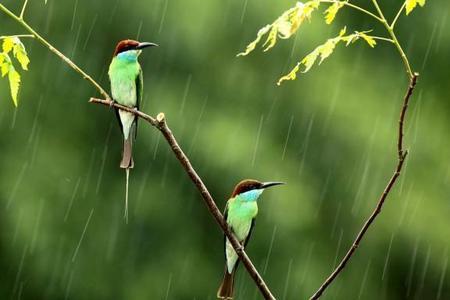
(161, 124)
(401, 159)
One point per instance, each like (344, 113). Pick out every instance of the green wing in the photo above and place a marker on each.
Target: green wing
(139, 92)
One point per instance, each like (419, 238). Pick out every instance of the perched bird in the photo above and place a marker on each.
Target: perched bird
(240, 214)
(125, 75)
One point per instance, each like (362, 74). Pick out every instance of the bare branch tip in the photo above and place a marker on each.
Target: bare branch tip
(161, 117)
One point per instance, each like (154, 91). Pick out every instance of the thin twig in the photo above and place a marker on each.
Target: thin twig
(382, 39)
(23, 9)
(398, 15)
(391, 32)
(401, 159)
(161, 124)
(54, 50)
(17, 36)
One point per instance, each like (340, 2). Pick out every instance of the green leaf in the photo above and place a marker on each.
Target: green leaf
(331, 12)
(14, 83)
(411, 4)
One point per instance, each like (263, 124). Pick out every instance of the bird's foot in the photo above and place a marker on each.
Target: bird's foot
(111, 104)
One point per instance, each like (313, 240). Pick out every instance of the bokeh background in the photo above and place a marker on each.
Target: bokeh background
(331, 135)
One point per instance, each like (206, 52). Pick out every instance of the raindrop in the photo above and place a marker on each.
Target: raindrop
(425, 270)
(102, 166)
(287, 137)
(155, 151)
(244, 10)
(387, 257)
(336, 218)
(412, 266)
(82, 236)
(16, 185)
(36, 226)
(13, 122)
(341, 234)
(69, 285)
(168, 286)
(36, 115)
(88, 176)
(74, 193)
(430, 44)
(286, 286)
(163, 16)
(305, 145)
(185, 93)
(19, 271)
(73, 16)
(270, 249)
(363, 283)
(444, 270)
(257, 139)
(308, 258)
(90, 32)
(75, 44)
(139, 30)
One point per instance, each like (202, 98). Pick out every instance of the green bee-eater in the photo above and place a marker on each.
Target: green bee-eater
(125, 75)
(240, 214)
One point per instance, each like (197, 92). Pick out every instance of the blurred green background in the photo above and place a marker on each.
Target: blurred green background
(331, 135)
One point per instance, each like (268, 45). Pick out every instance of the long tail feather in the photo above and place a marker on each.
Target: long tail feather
(226, 288)
(125, 215)
(127, 154)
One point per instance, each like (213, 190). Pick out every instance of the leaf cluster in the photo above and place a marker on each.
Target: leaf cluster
(12, 46)
(290, 21)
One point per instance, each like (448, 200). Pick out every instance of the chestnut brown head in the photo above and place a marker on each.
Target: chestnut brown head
(127, 45)
(247, 185)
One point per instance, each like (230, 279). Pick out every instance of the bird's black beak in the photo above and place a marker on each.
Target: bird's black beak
(145, 45)
(270, 183)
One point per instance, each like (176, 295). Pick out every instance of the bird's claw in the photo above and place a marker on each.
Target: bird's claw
(111, 103)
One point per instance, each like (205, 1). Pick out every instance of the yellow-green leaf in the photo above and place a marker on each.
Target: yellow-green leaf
(253, 44)
(411, 4)
(309, 60)
(21, 54)
(271, 38)
(8, 44)
(370, 40)
(325, 50)
(331, 12)
(291, 75)
(14, 83)
(5, 62)
(284, 26)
